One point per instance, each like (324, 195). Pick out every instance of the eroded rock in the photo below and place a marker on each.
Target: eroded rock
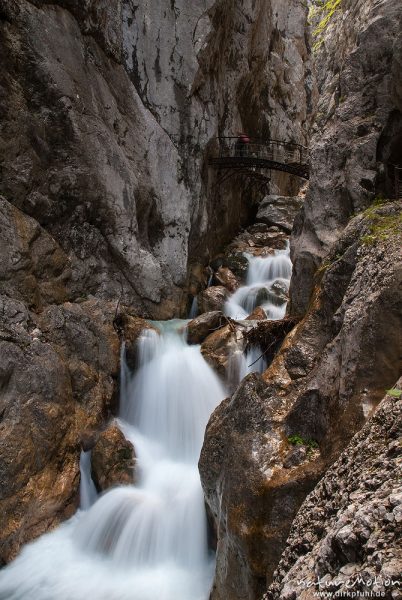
(212, 299)
(200, 327)
(347, 527)
(113, 459)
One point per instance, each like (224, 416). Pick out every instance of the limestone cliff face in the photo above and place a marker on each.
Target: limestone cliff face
(107, 114)
(357, 129)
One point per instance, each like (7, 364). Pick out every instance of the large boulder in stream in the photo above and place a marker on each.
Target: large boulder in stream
(113, 459)
(212, 299)
(220, 345)
(226, 278)
(200, 327)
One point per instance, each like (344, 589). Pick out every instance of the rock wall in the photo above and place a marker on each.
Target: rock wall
(333, 368)
(345, 535)
(328, 376)
(107, 114)
(357, 129)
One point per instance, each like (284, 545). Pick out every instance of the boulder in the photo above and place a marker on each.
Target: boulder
(258, 314)
(238, 264)
(200, 327)
(279, 210)
(113, 459)
(218, 347)
(212, 299)
(227, 279)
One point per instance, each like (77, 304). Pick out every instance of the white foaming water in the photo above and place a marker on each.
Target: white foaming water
(148, 541)
(88, 493)
(267, 284)
(242, 363)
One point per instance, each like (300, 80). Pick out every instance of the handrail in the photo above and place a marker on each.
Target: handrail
(261, 141)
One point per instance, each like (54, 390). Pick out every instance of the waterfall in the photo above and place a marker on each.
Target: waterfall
(148, 541)
(267, 286)
(88, 492)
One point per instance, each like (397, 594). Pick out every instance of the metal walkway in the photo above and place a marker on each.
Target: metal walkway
(258, 156)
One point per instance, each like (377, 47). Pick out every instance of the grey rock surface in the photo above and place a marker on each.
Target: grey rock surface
(357, 128)
(346, 533)
(279, 210)
(108, 114)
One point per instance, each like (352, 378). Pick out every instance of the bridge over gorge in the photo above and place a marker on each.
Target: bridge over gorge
(256, 158)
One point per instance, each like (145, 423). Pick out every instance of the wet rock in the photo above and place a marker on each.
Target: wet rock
(200, 327)
(212, 299)
(218, 347)
(130, 328)
(113, 459)
(258, 314)
(279, 210)
(238, 264)
(56, 384)
(226, 278)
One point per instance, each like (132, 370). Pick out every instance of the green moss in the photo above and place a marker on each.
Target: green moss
(394, 393)
(323, 12)
(298, 440)
(381, 227)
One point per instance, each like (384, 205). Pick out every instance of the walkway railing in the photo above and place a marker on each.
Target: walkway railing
(233, 152)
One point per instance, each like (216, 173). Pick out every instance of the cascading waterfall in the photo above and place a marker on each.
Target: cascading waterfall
(88, 493)
(148, 541)
(267, 286)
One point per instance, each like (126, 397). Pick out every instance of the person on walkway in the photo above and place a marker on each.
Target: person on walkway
(241, 146)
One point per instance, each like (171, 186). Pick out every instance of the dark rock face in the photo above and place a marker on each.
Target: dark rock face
(112, 459)
(357, 129)
(347, 528)
(59, 364)
(329, 375)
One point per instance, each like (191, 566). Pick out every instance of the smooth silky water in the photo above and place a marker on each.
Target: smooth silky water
(148, 541)
(268, 280)
(267, 285)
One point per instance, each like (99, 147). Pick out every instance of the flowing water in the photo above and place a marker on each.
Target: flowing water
(267, 286)
(142, 542)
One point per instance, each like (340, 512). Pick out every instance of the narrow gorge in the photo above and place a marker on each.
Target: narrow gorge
(201, 299)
